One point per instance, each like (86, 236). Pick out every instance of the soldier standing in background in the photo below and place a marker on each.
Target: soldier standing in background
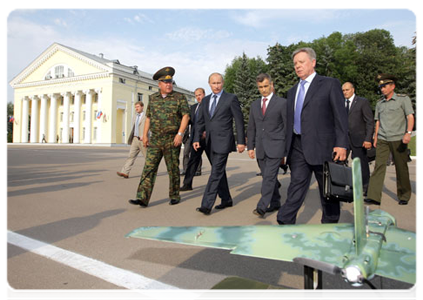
(394, 117)
(167, 118)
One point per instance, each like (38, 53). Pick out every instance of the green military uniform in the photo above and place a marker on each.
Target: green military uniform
(392, 116)
(165, 118)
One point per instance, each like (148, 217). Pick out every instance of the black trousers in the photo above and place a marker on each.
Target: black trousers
(270, 195)
(218, 182)
(193, 163)
(301, 173)
(364, 162)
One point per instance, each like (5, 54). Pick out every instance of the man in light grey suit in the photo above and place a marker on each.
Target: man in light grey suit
(266, 133)
(216, 115)
(135, 140)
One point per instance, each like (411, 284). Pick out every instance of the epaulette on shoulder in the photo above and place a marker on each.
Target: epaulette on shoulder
(401, 95)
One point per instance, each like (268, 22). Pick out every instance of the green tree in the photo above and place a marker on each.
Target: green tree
(256, 66)
(10, 108)
(244, 86)
(281, 68)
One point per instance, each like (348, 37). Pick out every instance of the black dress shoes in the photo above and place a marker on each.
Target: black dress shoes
(174, 201)
(204, 210)
(403, 202)
(185, 188)
(258, 213)
(224, 205)
(272, 209)
(138, 202)
(371, 201)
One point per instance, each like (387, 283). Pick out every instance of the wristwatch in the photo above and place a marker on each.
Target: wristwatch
(409, 132)
(180, 133)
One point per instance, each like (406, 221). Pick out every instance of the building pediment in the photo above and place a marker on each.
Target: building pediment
(59, 64)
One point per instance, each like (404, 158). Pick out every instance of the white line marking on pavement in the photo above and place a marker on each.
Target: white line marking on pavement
(117, 276)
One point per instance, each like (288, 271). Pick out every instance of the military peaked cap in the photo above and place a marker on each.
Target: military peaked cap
(164, 74)
(384, 79)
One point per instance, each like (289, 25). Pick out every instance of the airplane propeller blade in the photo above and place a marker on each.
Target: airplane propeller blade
(319, 265)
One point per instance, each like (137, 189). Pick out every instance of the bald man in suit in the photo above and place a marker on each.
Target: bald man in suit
(360, 129)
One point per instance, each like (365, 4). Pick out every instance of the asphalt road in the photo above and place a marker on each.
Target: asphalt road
(70, 197)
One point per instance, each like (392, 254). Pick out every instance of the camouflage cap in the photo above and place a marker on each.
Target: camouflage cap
(384, 79)
(164, 74)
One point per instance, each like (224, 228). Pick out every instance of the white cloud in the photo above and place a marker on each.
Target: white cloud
(264, 18)
(138, 18)
(193, 34)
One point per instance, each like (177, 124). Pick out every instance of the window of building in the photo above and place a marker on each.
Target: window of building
(95, 114)
(122, 80)
(83, 115)
(61, 117)
(139, 97)
(59, 71)
(95, 134)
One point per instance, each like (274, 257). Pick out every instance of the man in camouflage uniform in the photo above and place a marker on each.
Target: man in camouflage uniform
(394, 117)
(167, 118)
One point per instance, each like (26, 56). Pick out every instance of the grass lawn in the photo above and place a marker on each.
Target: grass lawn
(412, 146)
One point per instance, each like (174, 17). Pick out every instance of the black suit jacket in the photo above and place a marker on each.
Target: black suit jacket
(219, 130)
(360, 122)
(324, 122)
(267, 133)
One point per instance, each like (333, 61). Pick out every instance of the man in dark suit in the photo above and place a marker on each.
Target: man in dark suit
(266, 133)
(217, 113)
(317, 131)
(194, 162)
(360, 129)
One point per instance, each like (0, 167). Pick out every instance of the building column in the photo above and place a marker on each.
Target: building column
(34, 120)
(25, 118)
(66, 108)
(43, 118)
(52, 132)
(88, 115)
(98, 121)
(77, 118)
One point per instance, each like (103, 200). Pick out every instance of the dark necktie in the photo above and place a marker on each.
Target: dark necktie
(213, 106)
(263, 107)
(348, 106)
(196, 113)
(299, 107)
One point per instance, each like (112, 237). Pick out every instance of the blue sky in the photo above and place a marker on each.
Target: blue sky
(196, 42)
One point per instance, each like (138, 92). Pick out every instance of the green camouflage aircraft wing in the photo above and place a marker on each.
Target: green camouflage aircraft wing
(397, 258)
(372, 245)
(326, 242)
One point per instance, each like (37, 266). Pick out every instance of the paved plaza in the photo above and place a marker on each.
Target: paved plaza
(70, 197)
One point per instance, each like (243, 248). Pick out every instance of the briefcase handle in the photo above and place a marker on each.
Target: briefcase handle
(339, 162)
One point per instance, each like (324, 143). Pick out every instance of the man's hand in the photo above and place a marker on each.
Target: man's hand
(177, 141)
(374, 141)
(145, 141)
(241, 148)
(196, 145)
(251, 154)
(406, 138)
(341, 154)
(367, 145)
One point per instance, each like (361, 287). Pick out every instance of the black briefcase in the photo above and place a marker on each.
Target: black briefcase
(337, 182)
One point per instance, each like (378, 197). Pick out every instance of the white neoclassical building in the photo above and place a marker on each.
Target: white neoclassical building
(69, 96)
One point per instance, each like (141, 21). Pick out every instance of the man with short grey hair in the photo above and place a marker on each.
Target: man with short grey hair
(135, 140)
(317, 131)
